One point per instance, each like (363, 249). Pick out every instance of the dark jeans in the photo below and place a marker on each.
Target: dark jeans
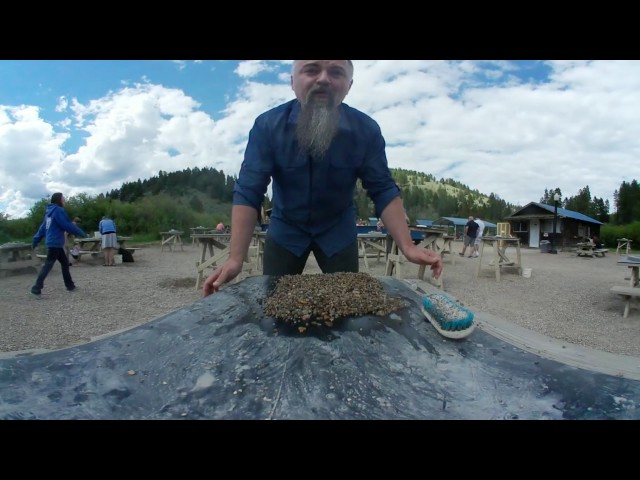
(280, 261)
(54, 254)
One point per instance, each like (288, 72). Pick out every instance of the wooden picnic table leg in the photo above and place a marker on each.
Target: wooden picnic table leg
(399, 260)
(627, 306)
(178, 241)
(363, 249)
(519, 258)
(479, 266)
(496, 256)
(634, 275)
(212, 261)
(260, 253)
(165, 243)
(391, 257)
(447, 247)
(203, 255)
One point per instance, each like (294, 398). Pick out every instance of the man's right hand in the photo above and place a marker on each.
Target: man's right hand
(221, 275)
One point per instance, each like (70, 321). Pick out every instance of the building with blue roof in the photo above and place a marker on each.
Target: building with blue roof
(533, 223)
(456, 225)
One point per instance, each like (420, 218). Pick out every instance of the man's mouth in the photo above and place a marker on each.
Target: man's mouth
(322, 96)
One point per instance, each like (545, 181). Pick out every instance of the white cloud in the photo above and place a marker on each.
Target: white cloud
(250, 68)
(491, 125)
(28, 147)
(180, 63)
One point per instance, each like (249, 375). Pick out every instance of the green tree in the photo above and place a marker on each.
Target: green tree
(195, 203)
(627, 201)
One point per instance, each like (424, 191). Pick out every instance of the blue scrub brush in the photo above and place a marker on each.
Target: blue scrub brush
(449, 318)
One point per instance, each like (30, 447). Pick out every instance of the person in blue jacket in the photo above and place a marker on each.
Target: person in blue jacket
(56, 222)
(315, 148)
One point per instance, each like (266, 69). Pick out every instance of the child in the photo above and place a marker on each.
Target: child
(75, 251)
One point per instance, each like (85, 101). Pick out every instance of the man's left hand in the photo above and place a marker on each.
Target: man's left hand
(425, 256)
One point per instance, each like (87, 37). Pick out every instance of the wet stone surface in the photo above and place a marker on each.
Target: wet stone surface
(318, 300)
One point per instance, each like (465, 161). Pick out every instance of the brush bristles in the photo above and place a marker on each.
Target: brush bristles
(450, 315)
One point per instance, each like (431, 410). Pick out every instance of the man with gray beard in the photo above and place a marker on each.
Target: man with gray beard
(317, 124)
(314, 148)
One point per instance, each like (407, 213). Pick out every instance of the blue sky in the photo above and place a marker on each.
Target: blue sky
(513, 128)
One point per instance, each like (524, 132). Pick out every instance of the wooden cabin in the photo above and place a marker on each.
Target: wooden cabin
(533, 223)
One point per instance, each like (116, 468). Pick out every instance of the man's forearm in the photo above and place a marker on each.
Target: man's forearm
(393, 217)
(243, 223)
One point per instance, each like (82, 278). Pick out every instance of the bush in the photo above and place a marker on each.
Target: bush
(609, 234)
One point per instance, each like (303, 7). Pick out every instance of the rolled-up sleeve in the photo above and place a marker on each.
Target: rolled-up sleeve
(256, 169)
(375, 174)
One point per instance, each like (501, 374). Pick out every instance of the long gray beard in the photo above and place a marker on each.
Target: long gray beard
(317, 126)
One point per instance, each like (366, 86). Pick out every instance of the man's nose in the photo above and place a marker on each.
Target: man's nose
(324, 77)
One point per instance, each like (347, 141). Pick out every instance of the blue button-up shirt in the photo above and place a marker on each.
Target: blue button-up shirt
(313, 199)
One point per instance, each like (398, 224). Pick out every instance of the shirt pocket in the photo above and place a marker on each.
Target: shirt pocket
(288, 158)
(344, 166)
(291, 169)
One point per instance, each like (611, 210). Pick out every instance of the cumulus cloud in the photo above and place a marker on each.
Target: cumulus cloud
(497, 126)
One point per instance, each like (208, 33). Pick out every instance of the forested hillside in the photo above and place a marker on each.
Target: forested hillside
(424, 196)
(202, 196)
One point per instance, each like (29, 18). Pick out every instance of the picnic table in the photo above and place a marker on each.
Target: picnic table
(197, 231)
(15, 256)
(623, 243)
(500, 258)
(584, 249)
(432, 235)
(215, 250)
(171, 240)
(631, 291)
(436, 239)
(92, 246)
(377, 242)
(588, 249)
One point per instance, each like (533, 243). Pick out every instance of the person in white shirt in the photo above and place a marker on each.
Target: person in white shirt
(75, 251)
(476, 244)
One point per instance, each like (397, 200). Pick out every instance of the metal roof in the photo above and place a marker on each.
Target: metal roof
(426, 223)
(460, 222)
(562, 212)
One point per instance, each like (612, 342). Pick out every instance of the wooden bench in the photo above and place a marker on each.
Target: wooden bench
(95, 254)
(599, 252)
(5, 268)
(628, 293)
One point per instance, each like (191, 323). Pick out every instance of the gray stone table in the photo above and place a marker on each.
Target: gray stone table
(222, 358)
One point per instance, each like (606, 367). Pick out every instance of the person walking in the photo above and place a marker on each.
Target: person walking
(53, 227)
(314, 149)
(107, 228)
(470, 230)
(479, 233)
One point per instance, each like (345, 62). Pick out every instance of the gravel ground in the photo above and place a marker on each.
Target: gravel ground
(566, 297)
